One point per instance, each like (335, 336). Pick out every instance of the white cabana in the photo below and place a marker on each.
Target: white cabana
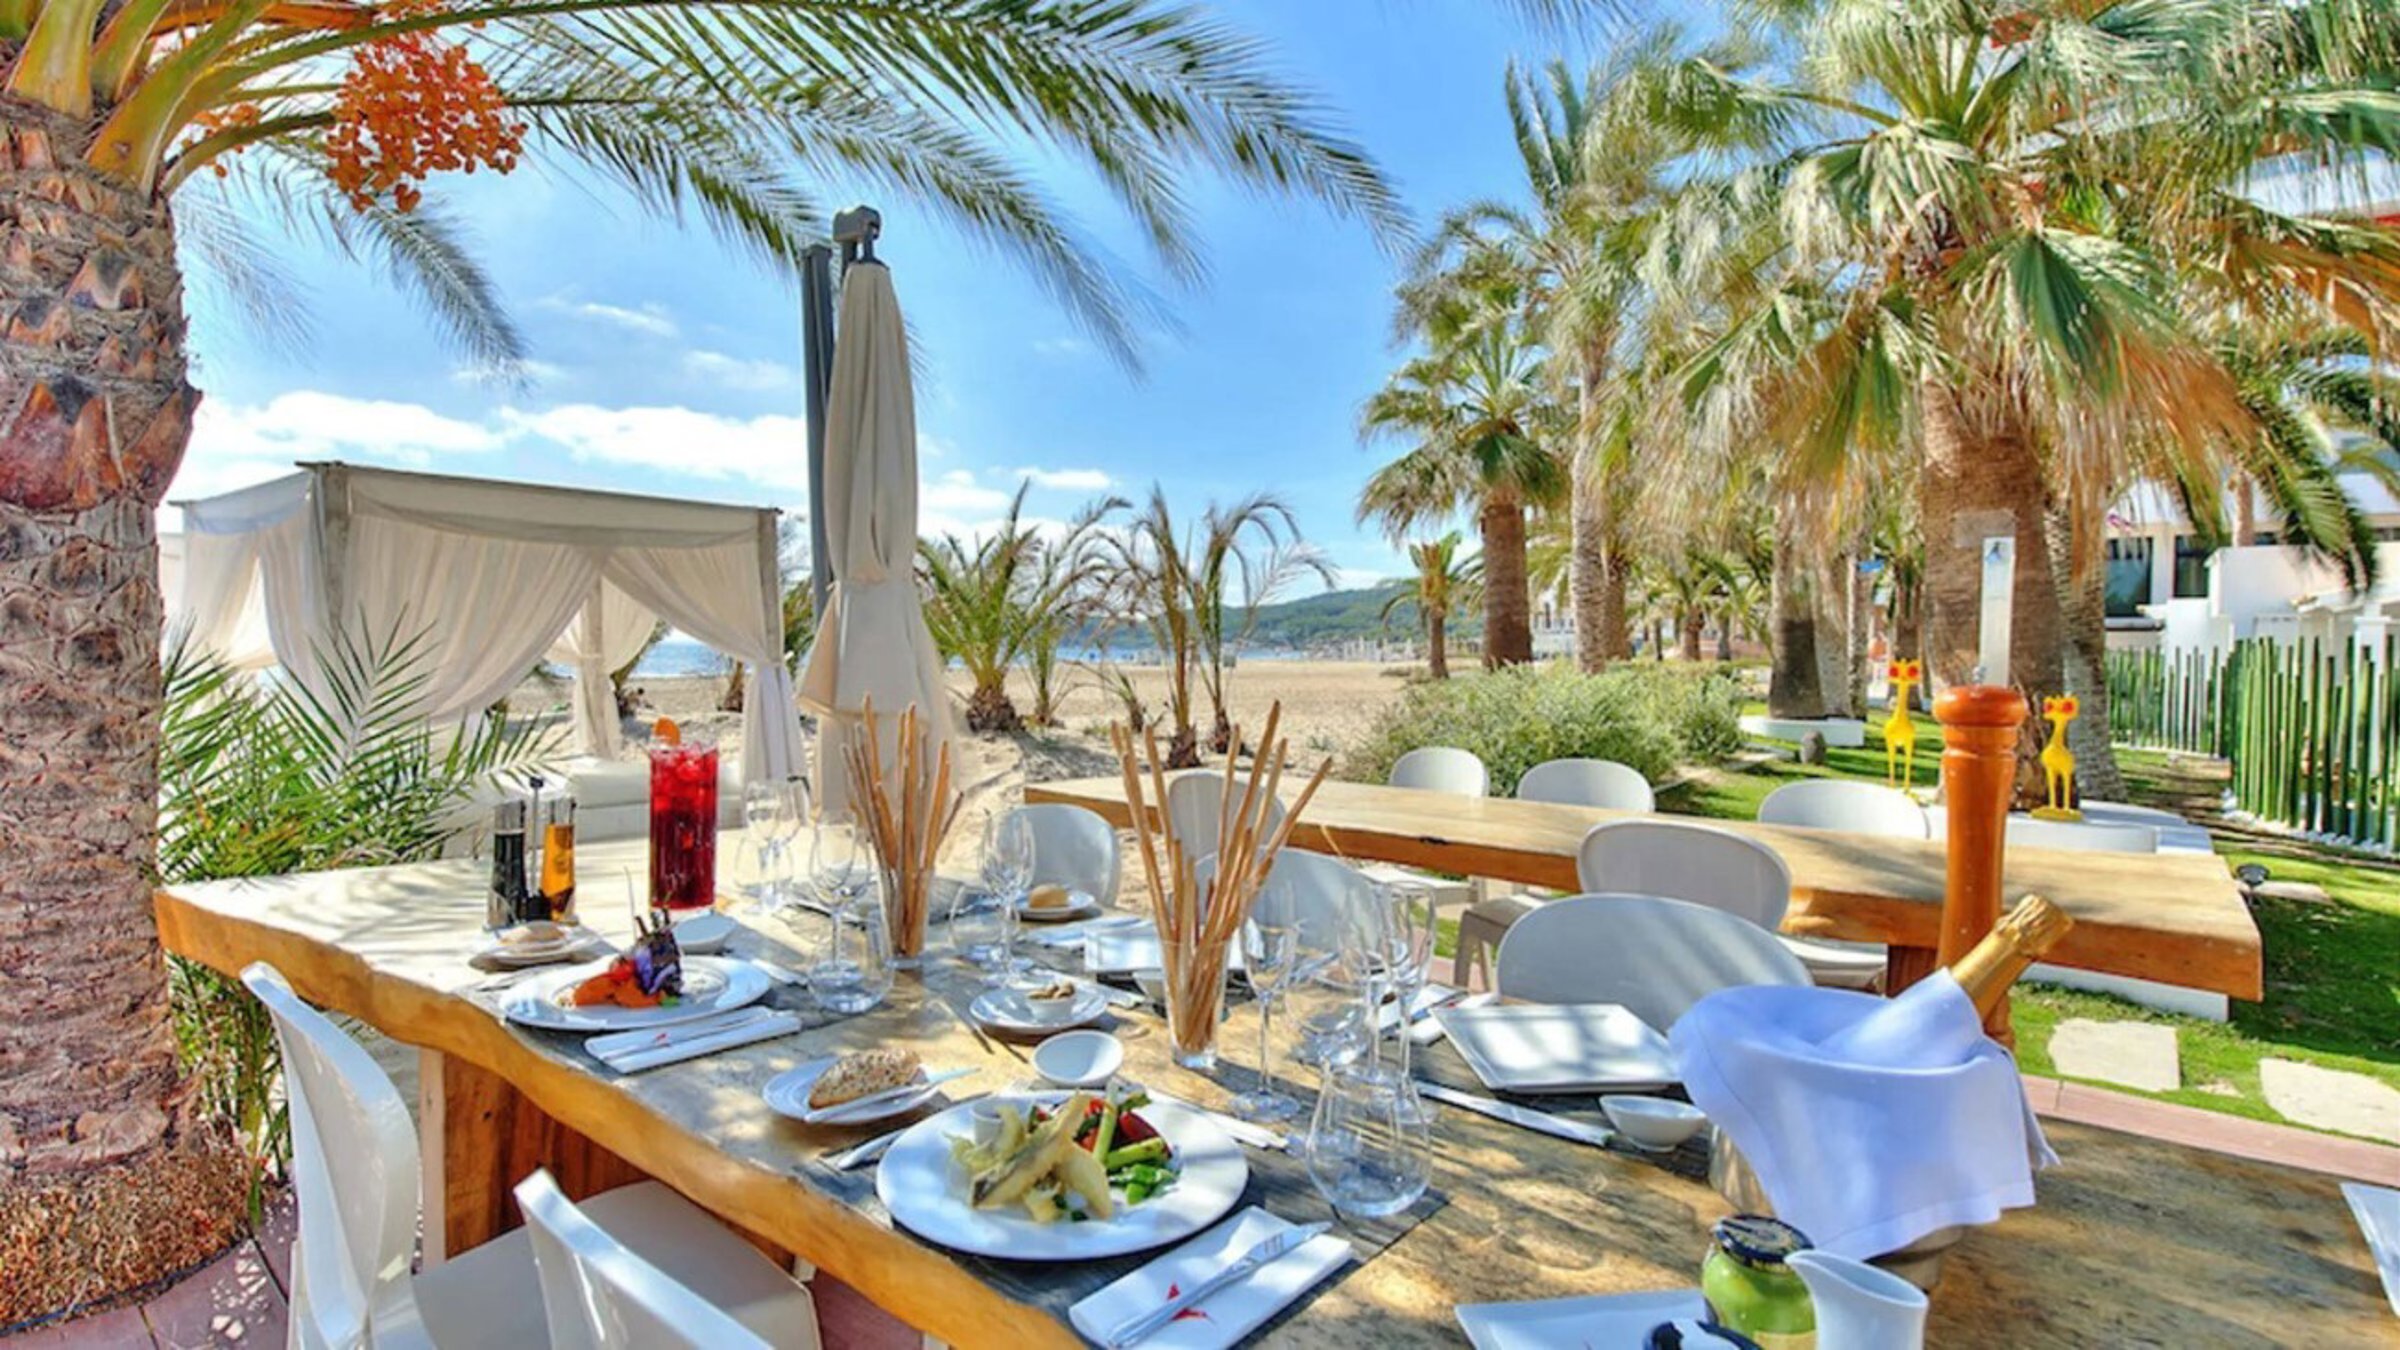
(489, 578)
(872, 643)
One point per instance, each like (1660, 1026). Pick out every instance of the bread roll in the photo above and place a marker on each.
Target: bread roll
(863, 1075)
(1047, 897)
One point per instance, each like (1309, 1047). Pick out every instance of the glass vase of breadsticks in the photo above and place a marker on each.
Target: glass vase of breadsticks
(906, 817)
(1199, 921)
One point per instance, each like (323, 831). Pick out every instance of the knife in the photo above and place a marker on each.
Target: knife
(1523, 1116)
(1259, 1254)
(858, 1155)
(628, 1042)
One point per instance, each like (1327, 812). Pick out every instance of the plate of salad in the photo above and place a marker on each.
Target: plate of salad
(1062, 1176)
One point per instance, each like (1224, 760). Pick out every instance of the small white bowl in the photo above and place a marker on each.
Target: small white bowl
(1079, 1059)
(703, 934)
(984, 1116)
(1052, 1011)
(1652, 1122)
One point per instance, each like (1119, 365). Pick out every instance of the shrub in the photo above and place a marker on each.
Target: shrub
(1648, 717)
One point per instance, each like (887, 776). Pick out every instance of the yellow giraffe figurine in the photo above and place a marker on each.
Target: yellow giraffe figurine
(1899, 732)
(2058, 762)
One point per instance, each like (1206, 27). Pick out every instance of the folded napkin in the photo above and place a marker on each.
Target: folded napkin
(1226, 1316)
(634, 1051)
(1869, 1121)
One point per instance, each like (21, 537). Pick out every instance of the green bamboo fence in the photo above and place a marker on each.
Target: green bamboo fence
(2312, 730)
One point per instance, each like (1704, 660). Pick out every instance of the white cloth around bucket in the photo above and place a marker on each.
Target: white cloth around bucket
(872, 642)
(486, 578)
(1869, 1122)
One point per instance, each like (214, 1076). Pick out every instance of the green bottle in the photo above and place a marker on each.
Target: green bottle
(1748, 1287)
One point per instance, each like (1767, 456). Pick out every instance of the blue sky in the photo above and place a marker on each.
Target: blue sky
(667, 364)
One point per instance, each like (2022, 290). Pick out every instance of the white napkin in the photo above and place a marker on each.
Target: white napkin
(2377, 1209)
(1869, 1121)
(1134, 946)
(634, 1051)
(1425, 1000)
(1226, 1316)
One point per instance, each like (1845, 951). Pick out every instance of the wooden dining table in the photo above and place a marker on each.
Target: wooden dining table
(2134, 1241)
(2176, 918)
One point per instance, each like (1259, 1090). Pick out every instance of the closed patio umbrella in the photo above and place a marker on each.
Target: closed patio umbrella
(872, 642)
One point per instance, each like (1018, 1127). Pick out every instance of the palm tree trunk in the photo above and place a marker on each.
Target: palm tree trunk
(1861, 631)
(1978, 482)
(1598, 566)
(2245, 513)
(1507, 609)
(731, 699)
(990, 709)
(112, 1171)
(1693, 622)
(1437, 653)
(2079, 557)
(1793, 687)
(1833, 638)
(1725, 634)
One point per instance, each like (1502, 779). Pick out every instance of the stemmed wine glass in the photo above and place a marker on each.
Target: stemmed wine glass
(855, 971)
(1399, 956)
(1270, 950)
(1008, 874)
(760, 803)
(794, 809)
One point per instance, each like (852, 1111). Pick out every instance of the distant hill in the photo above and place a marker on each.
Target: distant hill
(1338, 616)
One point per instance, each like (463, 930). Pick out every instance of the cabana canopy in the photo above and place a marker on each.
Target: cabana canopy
(490, 578)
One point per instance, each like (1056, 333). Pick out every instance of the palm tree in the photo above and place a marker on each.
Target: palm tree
(975, 609)
(335, 113)
(1446, 582)
(1275, 558)
(1482, 429)
(1990, 241)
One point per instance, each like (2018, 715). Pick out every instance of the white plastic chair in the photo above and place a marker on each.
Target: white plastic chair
(1679, 860)
(1075, 847)
(355, 1167)
(1441, 768)
(603, 1294)
(1195, 803)
(1841, 804)
(1654, 955)
(1602, 783)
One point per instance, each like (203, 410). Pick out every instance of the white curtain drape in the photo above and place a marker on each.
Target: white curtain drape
(488, 578)
(713, 594)
(871, 641)
(607, 632)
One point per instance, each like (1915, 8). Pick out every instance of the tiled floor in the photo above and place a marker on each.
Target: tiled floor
(239, 1301)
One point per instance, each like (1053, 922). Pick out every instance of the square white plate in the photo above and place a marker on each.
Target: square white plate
(2378, 1211)
(1597, 1322)
(1120, 949)
(1559, 1047)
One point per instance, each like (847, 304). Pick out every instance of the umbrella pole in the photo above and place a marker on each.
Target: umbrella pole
(816, 362)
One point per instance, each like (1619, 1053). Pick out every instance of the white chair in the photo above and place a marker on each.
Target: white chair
(1602, 783)
(1861, 808)
(1680, 860)
(1441, 768)
(355, 1168)
(1075, 847)
(602, 1294)
(1843, 804)
(2083, 836)
(1655, 956)
(1195, 803)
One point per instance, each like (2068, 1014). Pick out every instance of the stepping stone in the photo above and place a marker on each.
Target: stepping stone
(232, 1303)
(2302, 892)
(2138, 1055)
(2332, 1099)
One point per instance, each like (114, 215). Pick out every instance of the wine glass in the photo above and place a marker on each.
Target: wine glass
(1270, 948)
(840, 864)
(1400, 956)
(1008, 873)
(1370, 1142)
(978, 928)
(794, 808)
(760, 843)
(856, 974)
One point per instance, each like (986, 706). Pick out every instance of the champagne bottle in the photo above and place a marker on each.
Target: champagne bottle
(2015, 942)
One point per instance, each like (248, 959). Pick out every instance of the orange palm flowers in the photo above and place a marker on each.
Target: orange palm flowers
(414, 104)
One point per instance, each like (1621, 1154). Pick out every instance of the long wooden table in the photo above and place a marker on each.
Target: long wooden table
(2175, 918)
(2134, 1241)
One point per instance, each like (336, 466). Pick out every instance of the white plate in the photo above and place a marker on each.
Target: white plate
(711, 985)
(1122, 948)
(1560, 1047)
(1079, 904)
(1599, 1322)
(1004, 1009)
(2378, 1211)
(787, 1093)
(926, 1190)
(579, 944)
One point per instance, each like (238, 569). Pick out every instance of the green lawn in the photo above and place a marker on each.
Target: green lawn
(2332, 970)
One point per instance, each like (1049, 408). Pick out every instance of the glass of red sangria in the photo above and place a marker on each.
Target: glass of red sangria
(683, 820)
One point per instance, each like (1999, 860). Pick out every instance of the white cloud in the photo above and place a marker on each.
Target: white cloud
(236, 445)
(1062, 348)
(734, 372)
(1068, 480)
(957, 492)
(538, 372)
(650, 320)
(770, 450)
